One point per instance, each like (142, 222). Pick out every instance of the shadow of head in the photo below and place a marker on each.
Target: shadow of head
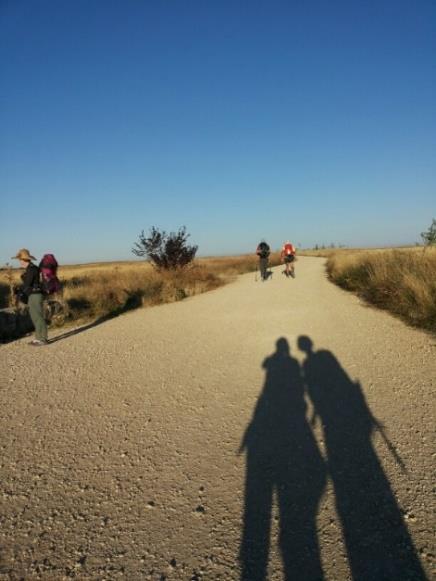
(305, 344)
(282, 346)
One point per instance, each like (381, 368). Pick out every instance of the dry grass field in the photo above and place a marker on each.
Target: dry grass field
(402, 281)
(327, 252)
(96, 290)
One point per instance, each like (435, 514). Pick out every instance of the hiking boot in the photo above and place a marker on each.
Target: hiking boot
(38, 342)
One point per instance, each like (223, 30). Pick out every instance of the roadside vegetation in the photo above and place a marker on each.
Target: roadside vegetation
(96, 291)
(402, 281)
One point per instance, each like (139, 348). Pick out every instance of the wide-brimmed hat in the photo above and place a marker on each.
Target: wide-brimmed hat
(24, 254)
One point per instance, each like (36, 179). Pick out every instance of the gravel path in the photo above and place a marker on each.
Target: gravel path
(234, 436)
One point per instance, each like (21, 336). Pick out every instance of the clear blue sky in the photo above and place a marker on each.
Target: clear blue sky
(300, 119)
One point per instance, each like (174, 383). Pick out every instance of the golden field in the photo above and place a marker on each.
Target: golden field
(98, 290)
(402, 281)
(327, 252)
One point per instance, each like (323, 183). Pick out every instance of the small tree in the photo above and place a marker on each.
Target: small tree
(429, 237)
(165, 251)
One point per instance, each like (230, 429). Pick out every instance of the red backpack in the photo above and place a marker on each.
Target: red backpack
(289, 249)
(49, 280)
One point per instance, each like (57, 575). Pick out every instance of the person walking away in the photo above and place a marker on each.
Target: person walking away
(287, 256)
(263, 251)
(30, 292)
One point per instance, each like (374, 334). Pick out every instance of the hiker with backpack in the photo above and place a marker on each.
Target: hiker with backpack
(38, 283)
(30, 292)
(263, 251)
(287, 256)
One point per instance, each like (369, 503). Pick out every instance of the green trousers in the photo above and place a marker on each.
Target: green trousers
(37, 316)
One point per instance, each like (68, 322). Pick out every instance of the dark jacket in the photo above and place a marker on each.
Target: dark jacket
(263, 250)
(31, 283)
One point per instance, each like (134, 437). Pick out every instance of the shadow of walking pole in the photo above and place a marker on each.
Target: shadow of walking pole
(378, 542)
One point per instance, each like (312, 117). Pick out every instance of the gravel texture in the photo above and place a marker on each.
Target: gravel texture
(276, 430)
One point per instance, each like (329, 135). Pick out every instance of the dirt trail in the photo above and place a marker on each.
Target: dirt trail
(133, 449)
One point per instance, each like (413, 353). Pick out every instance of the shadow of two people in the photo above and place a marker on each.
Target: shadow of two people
(283, 458)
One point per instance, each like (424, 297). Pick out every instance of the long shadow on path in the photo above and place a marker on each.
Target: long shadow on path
(282, 459)
(378, 543)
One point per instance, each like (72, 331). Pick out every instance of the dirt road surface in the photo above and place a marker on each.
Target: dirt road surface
(277, 430)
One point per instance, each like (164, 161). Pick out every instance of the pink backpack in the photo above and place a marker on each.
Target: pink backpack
(49, 280)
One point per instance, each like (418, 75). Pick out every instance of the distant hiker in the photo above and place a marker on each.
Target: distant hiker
(30, 292)
(287, 256)
(263, 251)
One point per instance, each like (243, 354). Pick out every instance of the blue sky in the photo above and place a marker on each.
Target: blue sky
(308, 120)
